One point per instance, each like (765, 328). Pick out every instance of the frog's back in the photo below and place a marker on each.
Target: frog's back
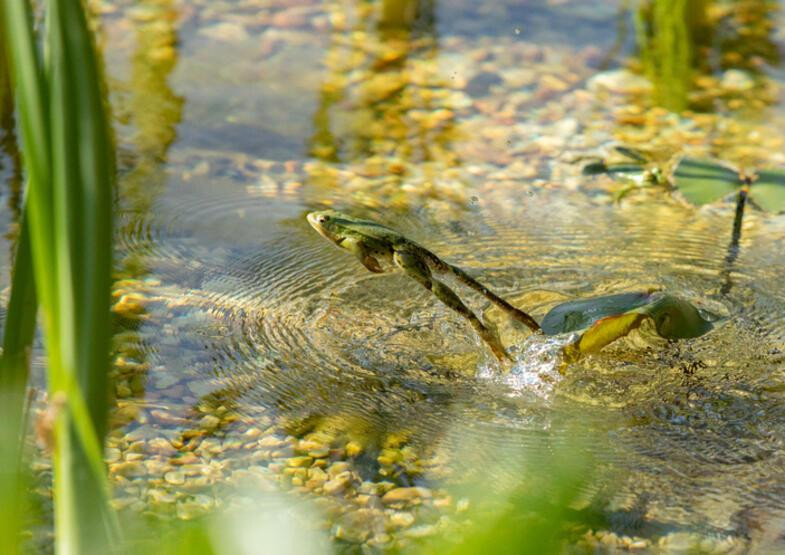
(376, 230)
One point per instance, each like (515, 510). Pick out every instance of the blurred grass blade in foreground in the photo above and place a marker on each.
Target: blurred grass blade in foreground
(69, 160)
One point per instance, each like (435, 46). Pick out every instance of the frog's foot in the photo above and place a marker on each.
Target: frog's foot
(496, 346)
(491, 336)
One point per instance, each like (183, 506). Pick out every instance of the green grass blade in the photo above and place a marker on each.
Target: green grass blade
(69, 161)
(25, 68)
(83, 177)
(20, 319)
(83, 171)
(32, 104)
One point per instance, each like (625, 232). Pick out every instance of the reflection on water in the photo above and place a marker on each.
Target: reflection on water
(243, 335)
(153, 111)
(384, 97)
(256, 317)
(684, 45)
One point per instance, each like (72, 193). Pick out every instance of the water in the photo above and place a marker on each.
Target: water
(236, 119)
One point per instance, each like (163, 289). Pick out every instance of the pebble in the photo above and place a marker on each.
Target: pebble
(296, 16)
(156, 467)
(185, 458)
(338, 467)
(271, 441)
(319, 453)
(350, 534)
(299, 461)
(225, 31)
(194, 508)
(401, 519)
(379, 540)
(619, 81)
(112, 454)
(736, 80)
(421, 531)
(130, 305)
(130, 469)
(175, 477)
(122, 389)
(161, 496)
(353, 449)
(406, 495)
(337, 484)
(480, 84)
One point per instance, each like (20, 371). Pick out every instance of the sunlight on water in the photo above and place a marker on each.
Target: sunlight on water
(245, 339)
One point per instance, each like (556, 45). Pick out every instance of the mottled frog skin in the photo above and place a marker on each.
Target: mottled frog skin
(381, 249)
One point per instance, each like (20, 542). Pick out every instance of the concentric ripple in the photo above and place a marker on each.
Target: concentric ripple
(263, 312)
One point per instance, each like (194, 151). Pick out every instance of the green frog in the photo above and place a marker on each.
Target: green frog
(381, 249)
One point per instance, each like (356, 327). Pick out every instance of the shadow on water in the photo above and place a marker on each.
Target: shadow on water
(154, 111)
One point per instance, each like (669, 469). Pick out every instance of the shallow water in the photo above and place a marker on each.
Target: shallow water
(467, 133)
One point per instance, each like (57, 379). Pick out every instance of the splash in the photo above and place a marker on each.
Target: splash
(536, 366)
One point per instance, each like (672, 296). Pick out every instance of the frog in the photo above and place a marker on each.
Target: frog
(381, 249)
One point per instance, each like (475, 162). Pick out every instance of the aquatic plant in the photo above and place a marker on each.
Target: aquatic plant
(665, 33)
(635, 170)
(64, 249)
(602, 320)
(700, 181)
(704, 181)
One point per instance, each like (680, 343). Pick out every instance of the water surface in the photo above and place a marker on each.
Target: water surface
(464, 128)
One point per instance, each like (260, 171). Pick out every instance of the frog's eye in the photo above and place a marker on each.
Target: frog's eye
(321, 218)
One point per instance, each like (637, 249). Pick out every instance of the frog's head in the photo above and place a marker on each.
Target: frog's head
(330, 224)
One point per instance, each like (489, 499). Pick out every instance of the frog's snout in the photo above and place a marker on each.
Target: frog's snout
(317, 218)
(318, 221)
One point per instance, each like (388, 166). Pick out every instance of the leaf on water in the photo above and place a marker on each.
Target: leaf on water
(578, 315)
(768, 191)
(595, 168)
(607, 330)
(623, 171)
(606, 319)
(704, 181)
(626, 171)
(675, 318)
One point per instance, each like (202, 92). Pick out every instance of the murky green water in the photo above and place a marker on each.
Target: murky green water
(466, 130)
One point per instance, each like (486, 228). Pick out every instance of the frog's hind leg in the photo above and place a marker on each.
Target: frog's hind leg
(416, 268)
(513, 312)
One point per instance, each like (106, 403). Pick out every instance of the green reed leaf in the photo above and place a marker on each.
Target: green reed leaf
(70, 164)
(19, 329)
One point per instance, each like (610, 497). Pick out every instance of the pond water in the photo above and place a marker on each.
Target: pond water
(250, 352)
